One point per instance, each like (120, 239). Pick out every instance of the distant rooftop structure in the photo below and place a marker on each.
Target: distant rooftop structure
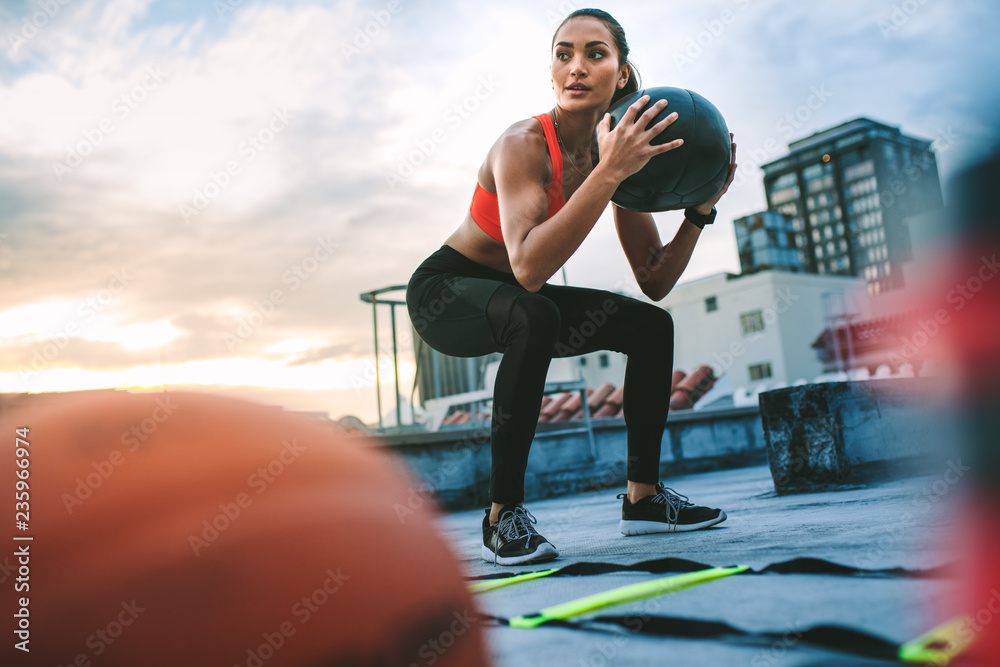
(766, 240)
(846, 193)
(759, 328)
(850, 129)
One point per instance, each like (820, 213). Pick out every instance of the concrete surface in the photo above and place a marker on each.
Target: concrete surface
(897, 523)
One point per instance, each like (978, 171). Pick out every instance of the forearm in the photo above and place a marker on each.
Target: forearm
(666, 266)
(546, 247)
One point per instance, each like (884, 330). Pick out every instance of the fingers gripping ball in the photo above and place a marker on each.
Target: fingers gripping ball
(190, 529)
(685, 176)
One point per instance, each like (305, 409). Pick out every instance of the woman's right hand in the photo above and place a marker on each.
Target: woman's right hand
(626, 149)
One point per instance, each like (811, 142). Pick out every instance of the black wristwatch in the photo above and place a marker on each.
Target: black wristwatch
(697, 218)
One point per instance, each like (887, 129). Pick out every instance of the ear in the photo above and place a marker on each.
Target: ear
(625, 74)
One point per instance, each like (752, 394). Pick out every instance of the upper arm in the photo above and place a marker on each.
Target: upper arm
(520, 170)
(640, 240)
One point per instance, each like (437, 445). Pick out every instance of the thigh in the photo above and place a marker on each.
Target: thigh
(593, 319)
(449, 313)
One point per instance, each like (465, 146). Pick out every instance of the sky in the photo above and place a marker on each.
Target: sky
(195, 194)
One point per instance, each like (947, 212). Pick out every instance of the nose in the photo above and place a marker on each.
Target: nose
(578, 67)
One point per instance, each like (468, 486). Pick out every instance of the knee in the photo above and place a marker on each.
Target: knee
(536, 316)
(653, 329)
(660, 325)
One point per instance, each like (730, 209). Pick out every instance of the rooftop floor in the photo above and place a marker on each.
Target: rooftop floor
(898, 523)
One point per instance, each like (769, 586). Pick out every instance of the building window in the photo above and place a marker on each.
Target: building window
(760, 371)
(785, 180)
(711, 304)
(859, 170)
(752, 322)
(603, 361)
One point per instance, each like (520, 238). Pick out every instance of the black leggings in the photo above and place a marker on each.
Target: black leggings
(464, 309)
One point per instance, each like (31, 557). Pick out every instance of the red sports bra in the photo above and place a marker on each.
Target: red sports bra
(485, 208)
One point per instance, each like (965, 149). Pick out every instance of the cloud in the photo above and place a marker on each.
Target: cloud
(283, 125)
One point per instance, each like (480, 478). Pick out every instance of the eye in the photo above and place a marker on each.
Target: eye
(597, 54)
(562, 55)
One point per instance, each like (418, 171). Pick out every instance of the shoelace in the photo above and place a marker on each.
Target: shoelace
(674, 501)
(514, 525)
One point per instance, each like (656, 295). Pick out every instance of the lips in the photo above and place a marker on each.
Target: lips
(577, 87)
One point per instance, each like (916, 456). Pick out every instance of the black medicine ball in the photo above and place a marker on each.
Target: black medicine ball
(685, 176)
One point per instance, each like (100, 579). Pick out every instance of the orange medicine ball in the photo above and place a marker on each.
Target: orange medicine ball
(186, 529)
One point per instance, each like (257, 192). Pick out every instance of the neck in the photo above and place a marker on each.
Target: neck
(575, 129)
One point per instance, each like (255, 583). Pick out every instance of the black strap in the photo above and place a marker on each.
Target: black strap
(833, 637)
(793, 566)
(837, 638)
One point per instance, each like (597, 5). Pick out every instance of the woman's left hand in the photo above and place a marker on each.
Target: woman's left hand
(706, 207)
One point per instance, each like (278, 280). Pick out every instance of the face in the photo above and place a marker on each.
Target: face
(585, 70)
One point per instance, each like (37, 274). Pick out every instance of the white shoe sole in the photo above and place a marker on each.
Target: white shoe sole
(542, 553)
(650, 527)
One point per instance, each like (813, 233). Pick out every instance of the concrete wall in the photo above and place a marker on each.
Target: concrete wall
(453, 466)
(836, 433)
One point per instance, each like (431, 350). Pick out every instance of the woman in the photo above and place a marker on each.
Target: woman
(485, 289)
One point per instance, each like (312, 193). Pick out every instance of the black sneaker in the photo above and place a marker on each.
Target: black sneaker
(665, 512)
(513, 539)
